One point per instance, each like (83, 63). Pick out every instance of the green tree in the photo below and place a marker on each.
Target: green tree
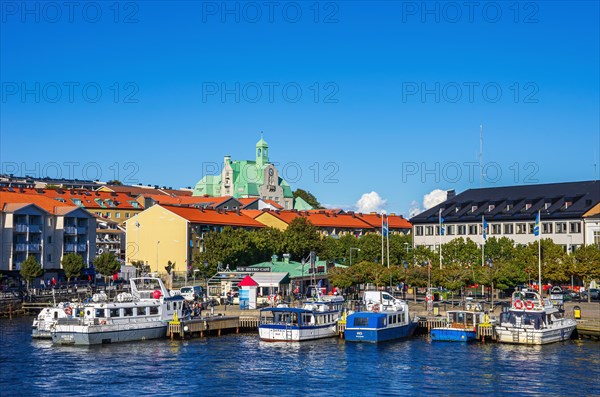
(140, 267)
(264, 243)
(308, 197)
(30, 269)
(107, 265)
(300, 238)
(370, 249)
(585, 264)
(72, 264)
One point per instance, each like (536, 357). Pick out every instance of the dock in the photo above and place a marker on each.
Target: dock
(211, 325)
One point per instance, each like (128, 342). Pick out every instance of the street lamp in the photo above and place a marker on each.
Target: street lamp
(353, 248)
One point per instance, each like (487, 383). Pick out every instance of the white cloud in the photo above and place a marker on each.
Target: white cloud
(430, 200)
(370, 202)
(414, 209)
(434, 198)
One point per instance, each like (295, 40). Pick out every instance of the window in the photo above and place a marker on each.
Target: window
(521, 228)
(127, 215)
(473, 208)
(128, 311)
(473, 229)
(108, 215)
(496, 229)
(491, 207)
(115, 312)
(49, 221)
(117, 215)
(450, 230)
(100, 313)
(509, 207)
(429, 230)
(419, 230)
(561, 227)
(531, 226)
(597, 238)
(575, 227)
(141, 311)
(462, 230)
(153, 310)
(508, 228)
(527, 206)
(546, 227)
(49, 239)
(437, 230)
(547, 205)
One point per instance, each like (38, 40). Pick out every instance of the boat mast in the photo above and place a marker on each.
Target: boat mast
(540, 256)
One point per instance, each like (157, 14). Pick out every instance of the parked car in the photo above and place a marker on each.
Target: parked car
(594, 293)
(191, 293)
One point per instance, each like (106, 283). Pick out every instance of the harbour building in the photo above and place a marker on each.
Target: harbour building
(569, 215)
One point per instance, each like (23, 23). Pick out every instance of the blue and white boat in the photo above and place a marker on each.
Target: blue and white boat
(317, 318)
(461, 325)
(385, 318)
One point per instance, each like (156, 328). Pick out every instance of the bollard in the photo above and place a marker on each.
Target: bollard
(577, 312)
(436, 309)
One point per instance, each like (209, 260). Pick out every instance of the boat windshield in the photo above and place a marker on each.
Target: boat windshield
(518, 319)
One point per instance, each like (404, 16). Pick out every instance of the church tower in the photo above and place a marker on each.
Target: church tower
(262, 152)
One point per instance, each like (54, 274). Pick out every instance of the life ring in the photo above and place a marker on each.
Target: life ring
(375, 308)
(518, 304)
(68, 310)
(529, 305)
(103, 322)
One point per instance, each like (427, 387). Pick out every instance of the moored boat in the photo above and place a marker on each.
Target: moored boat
(140, 315)
(385, 318)
(461, 325)
(317, 318)
(532, 320)
(47, 318)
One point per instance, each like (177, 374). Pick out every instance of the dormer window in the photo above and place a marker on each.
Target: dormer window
(491, 207)
(473, 208)
(509, 207)
(547, 205)
(457, 209)
(527, 206)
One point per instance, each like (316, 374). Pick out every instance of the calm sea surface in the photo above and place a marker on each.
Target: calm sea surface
(237, 365)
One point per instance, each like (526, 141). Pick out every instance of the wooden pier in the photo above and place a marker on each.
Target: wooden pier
(212, 325)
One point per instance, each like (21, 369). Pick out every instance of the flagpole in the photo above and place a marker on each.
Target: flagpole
(540, 254)
(382, 249)
(440, 236)
(483, 250)
(387, 226)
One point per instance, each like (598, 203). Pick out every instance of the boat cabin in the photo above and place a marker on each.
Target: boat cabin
(464, 319)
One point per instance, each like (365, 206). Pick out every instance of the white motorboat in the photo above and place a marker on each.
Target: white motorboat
(532, 320)
(49, 317)
(317, 318)
(140, 315)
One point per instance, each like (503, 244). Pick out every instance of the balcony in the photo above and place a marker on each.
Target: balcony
(72, 230)
(21, 228)
(82, 230)
(81, 247)
(70, 247)
(22, 247)
(35, 228)
(34, 247)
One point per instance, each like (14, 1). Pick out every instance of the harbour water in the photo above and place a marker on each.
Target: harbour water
(235, 365)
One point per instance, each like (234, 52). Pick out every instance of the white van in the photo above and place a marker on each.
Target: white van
(191, 293)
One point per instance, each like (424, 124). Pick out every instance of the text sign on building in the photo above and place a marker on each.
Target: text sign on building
(254, 269)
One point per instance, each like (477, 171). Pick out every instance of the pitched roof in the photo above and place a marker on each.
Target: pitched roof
(43, 202)
(86, 198)
(213, 217)
(568, 200)
(247, 282)
(138, 190)
(188, 200)
(274, 204)
(394, 221)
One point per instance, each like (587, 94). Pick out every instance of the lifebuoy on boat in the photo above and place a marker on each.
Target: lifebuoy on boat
(518, 304)
(375, 308)
(68, 310)
(529, 305)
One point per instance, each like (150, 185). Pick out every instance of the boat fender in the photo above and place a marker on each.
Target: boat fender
(375, 308)
(529, 305)
(518, 304)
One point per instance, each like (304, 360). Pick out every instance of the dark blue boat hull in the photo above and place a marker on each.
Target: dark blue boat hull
(380, 334)
(453, 335)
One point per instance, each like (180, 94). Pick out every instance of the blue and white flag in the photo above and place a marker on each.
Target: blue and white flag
(485, 228)
(536, 227)
(385, 230)
(442, 225)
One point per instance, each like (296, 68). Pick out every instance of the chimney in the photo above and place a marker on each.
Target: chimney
(450, 194)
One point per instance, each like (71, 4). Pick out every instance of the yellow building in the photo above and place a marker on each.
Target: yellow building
(164, 233)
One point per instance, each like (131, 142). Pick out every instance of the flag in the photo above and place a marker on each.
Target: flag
(385, 230)
(485, 228)
(536, 227)
(442, 225)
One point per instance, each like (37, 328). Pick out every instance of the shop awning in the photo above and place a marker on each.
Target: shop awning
(271, 279)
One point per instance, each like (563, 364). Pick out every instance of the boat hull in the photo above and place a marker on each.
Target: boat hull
(453, 335)
(83, 335)
(530, 336)
(375, 335)
(281, 333)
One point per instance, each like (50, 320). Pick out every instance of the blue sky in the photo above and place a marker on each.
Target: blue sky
(392, 93)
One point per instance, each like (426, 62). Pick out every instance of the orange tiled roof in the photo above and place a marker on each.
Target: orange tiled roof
(247, 200)
(213, 217)
(139, 190)
(89, 199)
(185, 200)
(274, 204)
(336, 220)
(394, 221)
(46, 203)
(253, 213)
